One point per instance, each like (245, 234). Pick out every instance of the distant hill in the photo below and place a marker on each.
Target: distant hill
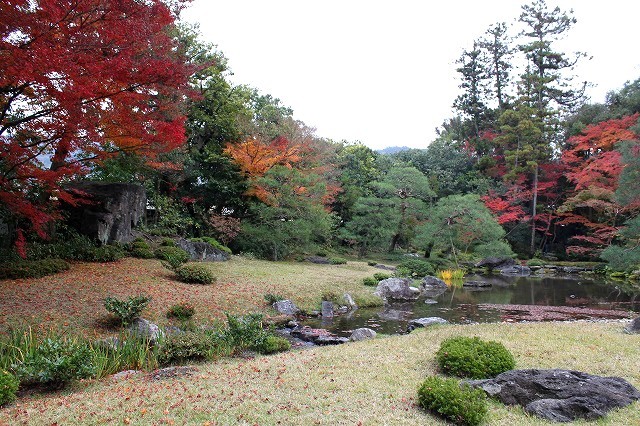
(393, 149)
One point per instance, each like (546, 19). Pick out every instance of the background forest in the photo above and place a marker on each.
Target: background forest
(527, 167)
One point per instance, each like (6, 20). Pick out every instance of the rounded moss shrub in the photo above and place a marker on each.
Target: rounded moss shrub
(195, 273)
(415, 268)
(337, 261)
(141, 249)
(181, 311)
(167, 242)
(32, 268)
(272, 344)
(379, 276)
(103, 254)
(462, 405)
(8, 387)
(370, 281)
(474, 358)
(172, 253)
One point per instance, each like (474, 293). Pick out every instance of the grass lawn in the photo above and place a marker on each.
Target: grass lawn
(368, 383)
(73, 300)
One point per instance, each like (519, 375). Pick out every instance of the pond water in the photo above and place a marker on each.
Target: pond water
(460, 305)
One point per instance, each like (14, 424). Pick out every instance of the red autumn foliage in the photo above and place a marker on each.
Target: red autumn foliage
(78, 82)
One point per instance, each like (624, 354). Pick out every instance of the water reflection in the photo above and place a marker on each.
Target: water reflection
(460, 305)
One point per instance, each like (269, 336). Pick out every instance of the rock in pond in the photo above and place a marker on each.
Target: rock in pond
(327, 309)
(430, 282)
(495, 262)
(476, 284)
(516, 270)
(348, 300)
(397, 289)
(362, 334)
(424, 322)
(560, 395)
(286, 307)
(633, 327)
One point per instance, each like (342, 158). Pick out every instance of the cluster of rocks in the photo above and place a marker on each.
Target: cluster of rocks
(560, 395)
(202, 251)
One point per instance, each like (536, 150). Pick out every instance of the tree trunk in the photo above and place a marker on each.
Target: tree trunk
(533, 211)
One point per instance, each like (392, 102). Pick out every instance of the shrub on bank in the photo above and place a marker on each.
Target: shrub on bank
(474, 358)
(32, 268)
(195, 273)
(127, 310)
(414, 268)
(461, 404)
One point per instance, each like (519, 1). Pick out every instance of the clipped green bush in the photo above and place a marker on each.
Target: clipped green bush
(379, 276)
(170, 254)
(55, 362)
(272, 344)
(245, 332)
(195, 273)
(127, 310)
(103, 254)
(415, 268)
(372, 263)
(474, 358)
(337, 261)
(370, 281)
(187, 346)
(141, 249)
(32, 268)
(536, 262)
(8, 387)
(181, 311)
(212, 242)
(461, 404)
(167, 242)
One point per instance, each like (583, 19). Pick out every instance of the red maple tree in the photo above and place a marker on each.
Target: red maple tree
(80, 81)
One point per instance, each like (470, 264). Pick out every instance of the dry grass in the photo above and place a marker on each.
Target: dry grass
(73, 300)
(369, 383)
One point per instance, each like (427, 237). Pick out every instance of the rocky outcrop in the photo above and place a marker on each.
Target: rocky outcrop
(362, 334)
(201, 251)
(560, 395)
(286, 307)
(393, 289)
(430, 282)
(110, 212)
(327, 309)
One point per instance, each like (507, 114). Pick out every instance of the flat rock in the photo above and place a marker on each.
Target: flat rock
(286, 307)
(319, 336)
(516, 270)
(476, 284)
(425, 322)
(171, 372)
(123, 375)
(319, 260)
(560, 395)
(362, 334)
(429, 282)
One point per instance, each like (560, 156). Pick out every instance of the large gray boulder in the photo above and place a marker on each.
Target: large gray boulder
(633, 327)
(327, 309)
(360, 334)
(560, 395)
(199, 250)
(495, 262)
(397, 289)
(144, 329)
(286, 307)
(110, 212)
(430, 282)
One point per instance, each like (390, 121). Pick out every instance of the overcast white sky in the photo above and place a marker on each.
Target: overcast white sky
(383, 72)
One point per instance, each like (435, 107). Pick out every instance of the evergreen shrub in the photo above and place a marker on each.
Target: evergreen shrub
(460, 404)
(473, 358)
(170, 254)
(181, 311)
(415, 268)
(195, 273)
(8, 387)
(127, 310)
(370, 281)
(32, 268)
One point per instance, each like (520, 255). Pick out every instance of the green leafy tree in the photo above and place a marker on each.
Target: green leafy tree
(459, 224)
